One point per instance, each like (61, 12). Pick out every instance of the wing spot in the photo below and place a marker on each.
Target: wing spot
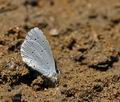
(35, 39)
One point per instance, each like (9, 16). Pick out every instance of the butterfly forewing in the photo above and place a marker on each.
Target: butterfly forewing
(36, 52)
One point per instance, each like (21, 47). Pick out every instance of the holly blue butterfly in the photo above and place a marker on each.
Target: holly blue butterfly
(37, 54)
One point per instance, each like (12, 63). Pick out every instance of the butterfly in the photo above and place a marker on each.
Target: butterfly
(37, 54)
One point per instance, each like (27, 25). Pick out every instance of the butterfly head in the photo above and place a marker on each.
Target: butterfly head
(54, 78)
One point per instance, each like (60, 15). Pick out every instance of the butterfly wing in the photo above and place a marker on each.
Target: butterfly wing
(37, 35)
(37, 54)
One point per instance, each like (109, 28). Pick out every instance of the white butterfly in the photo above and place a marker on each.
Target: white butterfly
(37, 54)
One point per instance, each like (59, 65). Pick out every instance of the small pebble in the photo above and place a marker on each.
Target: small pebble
(11, 65)
(54, 32)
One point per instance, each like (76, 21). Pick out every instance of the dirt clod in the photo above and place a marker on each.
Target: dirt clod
(37, 84)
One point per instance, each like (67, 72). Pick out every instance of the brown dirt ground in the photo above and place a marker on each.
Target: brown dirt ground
(86, 49)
